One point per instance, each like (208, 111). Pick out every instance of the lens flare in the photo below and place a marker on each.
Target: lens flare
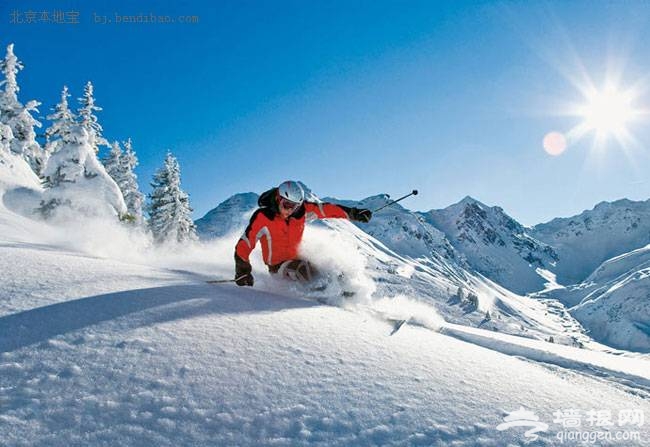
(554, 143)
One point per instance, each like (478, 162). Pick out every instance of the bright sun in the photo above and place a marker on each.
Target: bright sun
(608, 112)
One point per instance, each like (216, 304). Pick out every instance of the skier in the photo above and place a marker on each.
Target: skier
(278, 224)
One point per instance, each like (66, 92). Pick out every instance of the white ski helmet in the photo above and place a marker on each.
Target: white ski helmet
(291, 191)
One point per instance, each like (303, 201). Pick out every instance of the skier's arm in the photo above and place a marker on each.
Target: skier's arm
(331, 210)
(325, 211)
(247, 242)
(244, 247)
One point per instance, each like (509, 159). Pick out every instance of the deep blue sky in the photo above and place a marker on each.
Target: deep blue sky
(354, 98)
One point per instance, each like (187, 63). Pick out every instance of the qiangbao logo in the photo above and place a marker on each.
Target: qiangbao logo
(524, 418)
(585, 426)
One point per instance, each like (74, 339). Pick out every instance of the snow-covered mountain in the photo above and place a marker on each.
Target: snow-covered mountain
(494, 244)
(613, 303)
(229, 216)
(402, 230)
(585, 241)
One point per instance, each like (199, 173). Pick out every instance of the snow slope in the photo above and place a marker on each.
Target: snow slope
(612, 303)
(381, 273)
(165, 359)
(125, 344)
(20, 190)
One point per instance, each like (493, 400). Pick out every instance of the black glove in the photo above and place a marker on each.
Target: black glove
(243, 275)
(360, 215)
(245, 280)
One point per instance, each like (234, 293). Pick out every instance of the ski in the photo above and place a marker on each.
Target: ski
(397, 326)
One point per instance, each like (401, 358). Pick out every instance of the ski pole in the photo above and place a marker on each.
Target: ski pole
(412, 193)
(223, 281)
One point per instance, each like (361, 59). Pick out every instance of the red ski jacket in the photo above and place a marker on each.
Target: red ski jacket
(280, 238)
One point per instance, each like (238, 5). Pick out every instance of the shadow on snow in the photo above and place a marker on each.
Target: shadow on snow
(144, 307)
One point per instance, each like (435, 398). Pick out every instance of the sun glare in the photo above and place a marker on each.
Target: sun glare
(608, 112)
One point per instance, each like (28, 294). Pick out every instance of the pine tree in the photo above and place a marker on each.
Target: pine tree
(18, 116)
(120, 166)
(5, 143)
(169, 209)
(89, 121)
(5, 139)
(62, 121)
(75, 178)
(129, 183)
(472, 300)
(112, 163)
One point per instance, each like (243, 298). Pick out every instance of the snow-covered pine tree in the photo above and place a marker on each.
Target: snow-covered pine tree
(5, 139)
(5, 143)
(89, 121)
(129, 183)
(120, 166)
(472, 300)
(169, 208)
(62, 120)
(18, 116)
(112, 163)
(75, 178)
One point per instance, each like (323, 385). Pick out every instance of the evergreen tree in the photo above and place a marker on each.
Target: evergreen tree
(129, 183)
(169, 209)
(18, 116)
(75, 178)
(5, 139)
(472, 300)
(120, 166)
(89, 121)
(62, 121)
(112, 163)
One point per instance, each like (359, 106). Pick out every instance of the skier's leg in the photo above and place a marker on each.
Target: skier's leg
(295, 270)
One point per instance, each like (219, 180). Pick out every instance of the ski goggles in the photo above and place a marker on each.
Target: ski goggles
(287, 204)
